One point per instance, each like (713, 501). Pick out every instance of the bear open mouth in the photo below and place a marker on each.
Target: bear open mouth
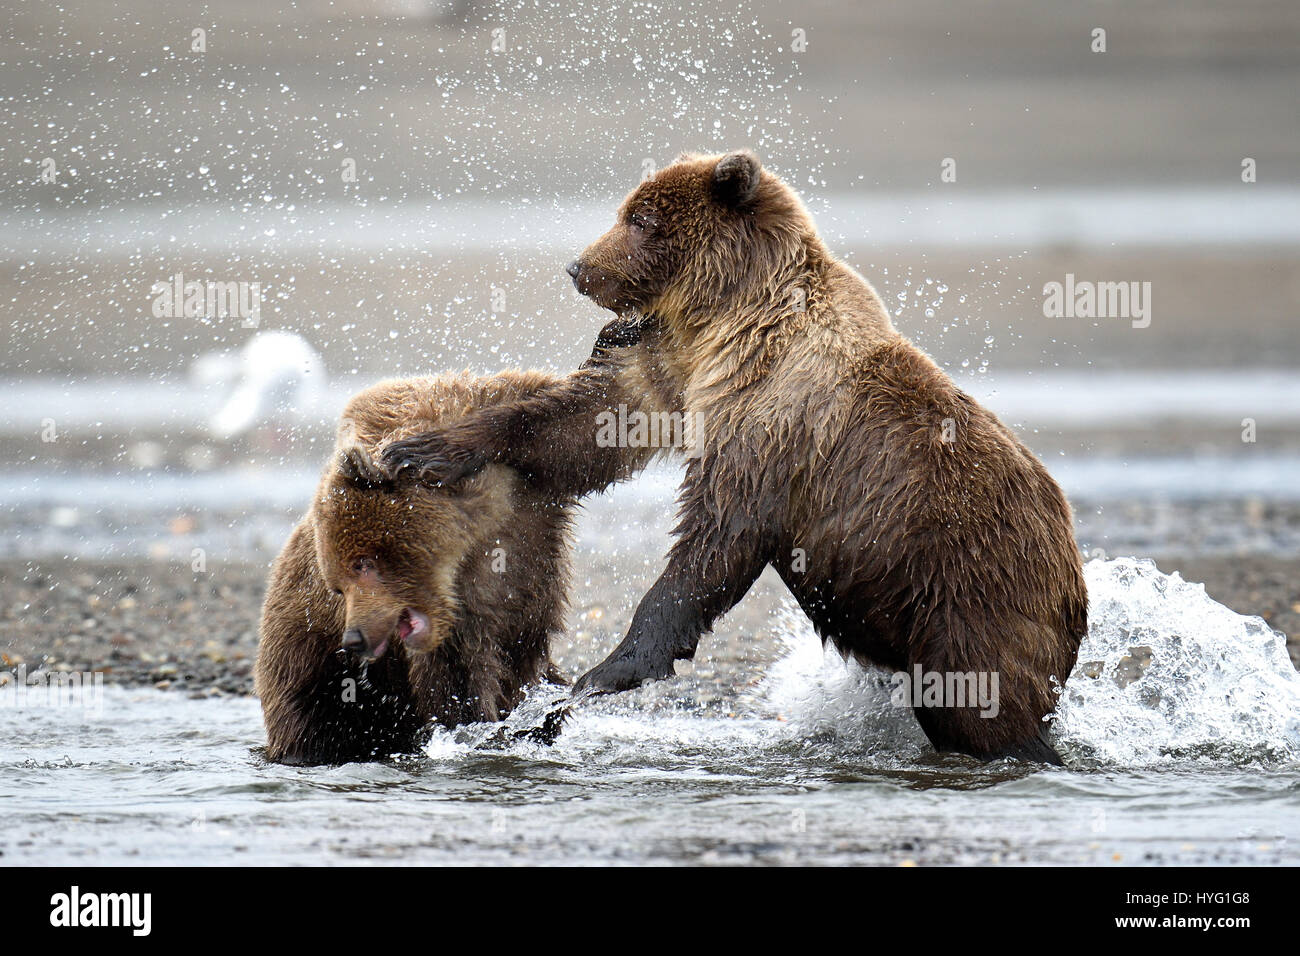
(410, 624)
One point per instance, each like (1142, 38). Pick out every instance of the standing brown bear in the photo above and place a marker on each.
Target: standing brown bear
(912, 526)
(394, 605)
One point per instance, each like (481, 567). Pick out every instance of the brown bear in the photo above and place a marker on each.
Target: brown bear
(911, 525)
(393, 604)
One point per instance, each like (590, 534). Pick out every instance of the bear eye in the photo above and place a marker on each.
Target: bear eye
(638, 221)
(363, 565)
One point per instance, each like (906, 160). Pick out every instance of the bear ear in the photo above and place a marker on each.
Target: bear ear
(357, 468)
(735, 178)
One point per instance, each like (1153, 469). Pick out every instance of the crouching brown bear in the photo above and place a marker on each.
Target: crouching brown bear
(911, 525)
(395, 605)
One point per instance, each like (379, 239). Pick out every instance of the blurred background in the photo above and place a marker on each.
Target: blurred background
(396, 185)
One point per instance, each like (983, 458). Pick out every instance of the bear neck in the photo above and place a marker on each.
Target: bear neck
(737, 335)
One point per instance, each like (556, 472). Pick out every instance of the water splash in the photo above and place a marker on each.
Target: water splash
(1166, 674)
(822, 696)
(1166, 677)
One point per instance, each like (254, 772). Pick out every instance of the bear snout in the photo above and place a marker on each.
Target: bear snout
(355, 642)
(593, 280)
(580, 273)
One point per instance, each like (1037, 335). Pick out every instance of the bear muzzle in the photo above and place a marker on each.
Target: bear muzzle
(411, 628)
(606, 289)
(356, 644)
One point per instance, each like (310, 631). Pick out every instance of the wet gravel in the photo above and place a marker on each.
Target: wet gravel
(159, 622)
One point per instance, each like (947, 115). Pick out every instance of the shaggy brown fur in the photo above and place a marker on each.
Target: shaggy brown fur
(911, 525)
(485, 564)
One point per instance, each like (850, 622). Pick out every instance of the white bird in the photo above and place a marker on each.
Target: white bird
(276, 379)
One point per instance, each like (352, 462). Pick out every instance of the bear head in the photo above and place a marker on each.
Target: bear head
(695, 236)
(393, 551)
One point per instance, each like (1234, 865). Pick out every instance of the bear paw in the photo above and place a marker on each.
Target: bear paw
(432, 460)
(616, 674)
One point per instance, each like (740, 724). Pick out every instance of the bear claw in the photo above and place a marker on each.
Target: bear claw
(433, 467)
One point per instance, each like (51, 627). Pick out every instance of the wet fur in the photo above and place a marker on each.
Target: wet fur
(824, 436)
(499, 624)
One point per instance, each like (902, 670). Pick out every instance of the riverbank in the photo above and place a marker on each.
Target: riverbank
(161, 624)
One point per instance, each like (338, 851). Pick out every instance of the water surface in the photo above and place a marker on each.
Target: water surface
(1181, 728)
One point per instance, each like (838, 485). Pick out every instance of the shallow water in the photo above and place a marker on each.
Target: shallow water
(1186, 752)
(1100, 217)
